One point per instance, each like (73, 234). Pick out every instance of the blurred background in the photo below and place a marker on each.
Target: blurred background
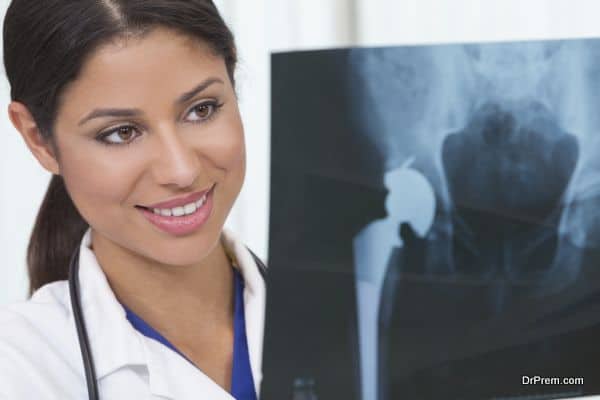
(262, 27)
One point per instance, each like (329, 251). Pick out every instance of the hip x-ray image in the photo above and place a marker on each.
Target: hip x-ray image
(435, 223)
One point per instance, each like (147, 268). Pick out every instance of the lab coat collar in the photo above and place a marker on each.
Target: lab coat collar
(112, 339)
(254, 302)
(115, 343)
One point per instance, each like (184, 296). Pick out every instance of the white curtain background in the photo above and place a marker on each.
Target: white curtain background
(262, 27)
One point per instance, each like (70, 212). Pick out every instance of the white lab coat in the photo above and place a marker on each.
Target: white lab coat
(40, 356)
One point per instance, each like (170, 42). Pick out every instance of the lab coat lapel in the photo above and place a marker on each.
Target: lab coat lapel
(254, 303)
(113, 340)
(174, 377)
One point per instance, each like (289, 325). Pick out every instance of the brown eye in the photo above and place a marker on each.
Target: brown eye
(120, 135)
(203, 111)
(125, 133)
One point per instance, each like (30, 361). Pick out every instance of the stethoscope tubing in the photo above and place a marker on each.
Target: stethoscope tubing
(84, 345)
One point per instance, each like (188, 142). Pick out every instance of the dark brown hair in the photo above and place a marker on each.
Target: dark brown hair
(45, 45)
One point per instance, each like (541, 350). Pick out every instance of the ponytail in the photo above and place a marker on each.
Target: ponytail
(56, 234)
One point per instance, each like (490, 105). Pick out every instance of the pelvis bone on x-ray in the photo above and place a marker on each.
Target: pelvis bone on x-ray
(480, 269)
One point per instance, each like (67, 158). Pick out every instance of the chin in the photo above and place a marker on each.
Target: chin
(184, 252)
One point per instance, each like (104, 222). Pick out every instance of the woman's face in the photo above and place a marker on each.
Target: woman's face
(149, 120)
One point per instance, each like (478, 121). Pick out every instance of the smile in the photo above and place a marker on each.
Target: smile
(186, 209)
(182, 219)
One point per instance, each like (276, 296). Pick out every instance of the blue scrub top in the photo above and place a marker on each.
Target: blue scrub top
(242, 383)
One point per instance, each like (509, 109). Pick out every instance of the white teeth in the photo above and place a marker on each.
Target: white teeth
(189, 208)
(183, 210)
(201, 202)
(178, 211)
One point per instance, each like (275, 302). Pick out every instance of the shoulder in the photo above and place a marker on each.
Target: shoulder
(47, 307)
(35, 342)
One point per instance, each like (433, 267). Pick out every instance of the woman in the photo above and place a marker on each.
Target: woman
(130, 104)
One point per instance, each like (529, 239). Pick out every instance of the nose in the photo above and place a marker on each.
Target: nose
(176, 162)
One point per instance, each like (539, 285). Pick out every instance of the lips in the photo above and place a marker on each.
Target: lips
(180, 225)
(179, 201)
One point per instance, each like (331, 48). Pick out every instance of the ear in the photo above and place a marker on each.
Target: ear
(42, 149)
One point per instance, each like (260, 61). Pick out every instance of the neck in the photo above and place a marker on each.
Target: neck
(189, 305)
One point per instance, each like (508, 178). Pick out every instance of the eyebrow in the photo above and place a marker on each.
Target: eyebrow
(134, 112)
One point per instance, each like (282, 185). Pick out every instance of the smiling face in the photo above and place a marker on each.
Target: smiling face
(149, 120)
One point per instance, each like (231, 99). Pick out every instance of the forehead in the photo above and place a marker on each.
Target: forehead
(127, 71)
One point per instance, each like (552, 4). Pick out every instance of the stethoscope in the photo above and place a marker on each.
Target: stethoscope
(84, 344)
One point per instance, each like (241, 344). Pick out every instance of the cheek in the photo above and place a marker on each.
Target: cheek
(225, 148)
(97, 181)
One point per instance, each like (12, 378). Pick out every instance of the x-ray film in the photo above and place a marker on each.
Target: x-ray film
(435, 223)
